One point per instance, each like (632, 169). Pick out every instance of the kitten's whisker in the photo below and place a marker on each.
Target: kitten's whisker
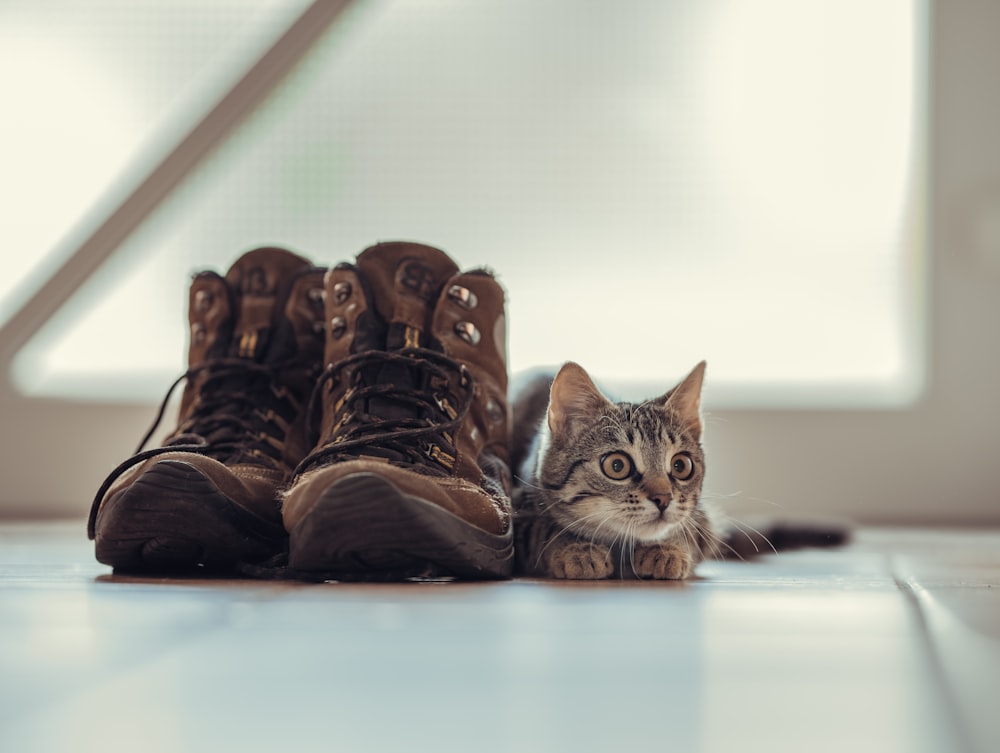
(607, 519)
(687, 524)
(735, 528)
(710, 543)
(595, 536)
(739, 494)
(742, 524)
(621, 552)
(721, 495)
(623, 535)
(579, 522)
(717, 542)
(525, 482)
(632, 541)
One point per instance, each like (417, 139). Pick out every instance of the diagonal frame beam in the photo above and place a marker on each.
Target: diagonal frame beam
(111, 229)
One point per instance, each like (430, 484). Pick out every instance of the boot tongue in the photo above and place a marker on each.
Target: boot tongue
(406, 280)
(261, 280)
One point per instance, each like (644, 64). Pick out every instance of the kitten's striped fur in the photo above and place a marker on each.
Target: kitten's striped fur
(609, 489)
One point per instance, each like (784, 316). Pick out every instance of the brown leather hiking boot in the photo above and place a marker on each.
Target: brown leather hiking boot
(210, 496)
(411, 474)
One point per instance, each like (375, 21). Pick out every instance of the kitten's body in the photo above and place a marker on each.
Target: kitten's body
(609, 489)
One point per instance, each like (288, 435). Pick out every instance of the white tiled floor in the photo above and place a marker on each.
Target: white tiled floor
(890, 644)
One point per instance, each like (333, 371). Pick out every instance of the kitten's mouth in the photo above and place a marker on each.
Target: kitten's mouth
(664, 516)
(661, 520)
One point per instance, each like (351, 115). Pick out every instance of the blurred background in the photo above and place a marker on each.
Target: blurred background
(806, 193)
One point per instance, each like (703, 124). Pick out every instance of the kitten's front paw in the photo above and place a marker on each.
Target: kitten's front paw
(581, 560)
(663, 562)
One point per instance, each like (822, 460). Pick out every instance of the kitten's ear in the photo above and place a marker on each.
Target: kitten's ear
(685, 400)
(574, 401)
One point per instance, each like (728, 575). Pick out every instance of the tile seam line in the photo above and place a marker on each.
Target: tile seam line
(914, 594)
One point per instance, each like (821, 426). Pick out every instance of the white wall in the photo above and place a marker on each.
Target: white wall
(930, 463)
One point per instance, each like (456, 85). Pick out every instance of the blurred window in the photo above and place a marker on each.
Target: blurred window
(655, 182)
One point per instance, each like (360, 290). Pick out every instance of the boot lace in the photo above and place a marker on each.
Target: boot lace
(239, 415)
(409, 419)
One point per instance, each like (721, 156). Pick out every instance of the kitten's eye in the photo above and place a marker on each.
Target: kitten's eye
(616, 465)
(682, 466)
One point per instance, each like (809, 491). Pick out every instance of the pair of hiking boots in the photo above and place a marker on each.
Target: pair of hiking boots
(350, 423)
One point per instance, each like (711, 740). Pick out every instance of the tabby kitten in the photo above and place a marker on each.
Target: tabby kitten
(609, 489)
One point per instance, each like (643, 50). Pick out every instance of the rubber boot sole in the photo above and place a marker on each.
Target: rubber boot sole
(364, 528)
(173, 518)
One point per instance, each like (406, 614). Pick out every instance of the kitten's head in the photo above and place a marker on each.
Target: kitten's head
(621, 472)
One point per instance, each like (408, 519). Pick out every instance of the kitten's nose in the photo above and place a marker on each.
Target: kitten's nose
(662, 501)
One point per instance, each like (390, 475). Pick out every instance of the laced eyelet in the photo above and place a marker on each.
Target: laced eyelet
(463, 297)
(341, 292)
(338, 327)
(445, 406)
(316, 295)
(345, 418)
(203, 300)
(467, 331)
(494, 412)
(198, 333)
